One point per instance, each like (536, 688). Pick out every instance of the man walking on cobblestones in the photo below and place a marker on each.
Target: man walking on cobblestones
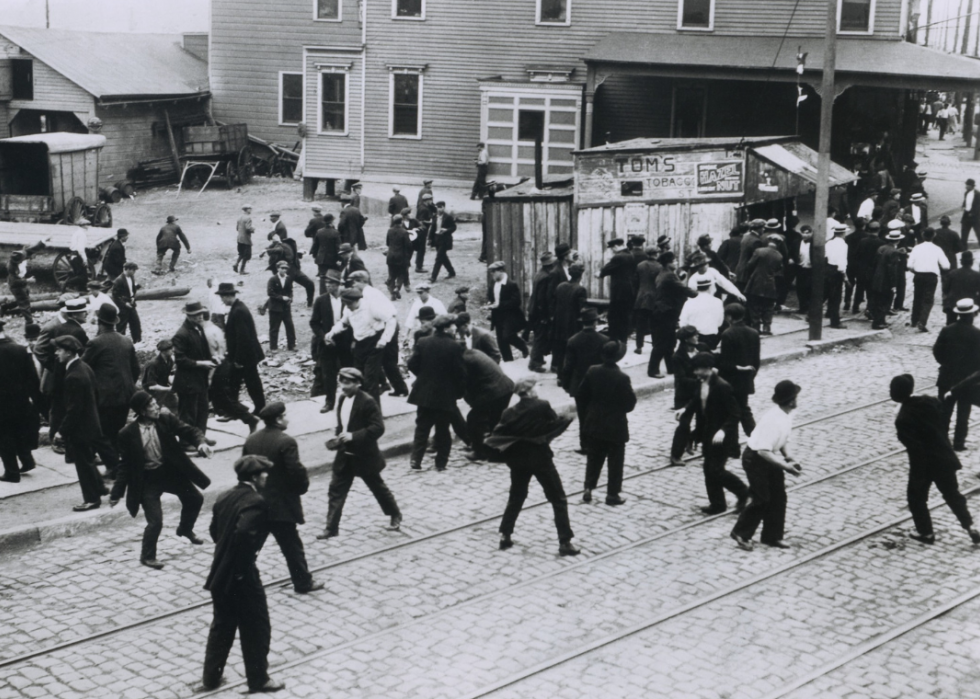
(923, 430)
(239, 528)
(584, 350)
(738, 364)
(19, 395)
(957, 350)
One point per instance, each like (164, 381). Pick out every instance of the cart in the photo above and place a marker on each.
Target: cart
(56, 253)
(52, 178)
(209, 151)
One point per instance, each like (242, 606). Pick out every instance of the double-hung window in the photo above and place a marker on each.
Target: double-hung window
(333, 101)
(408, 9)
(696, 14)
(405, 104)
(855, 16)
(553, 12)
(290, 98)
(326, 10)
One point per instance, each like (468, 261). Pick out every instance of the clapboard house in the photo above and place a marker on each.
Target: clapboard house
(394, 89)
(124, 86)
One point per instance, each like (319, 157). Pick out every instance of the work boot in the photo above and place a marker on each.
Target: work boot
(505, 542)
(567, 548)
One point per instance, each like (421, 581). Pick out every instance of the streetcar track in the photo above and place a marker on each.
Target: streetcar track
(284, 581)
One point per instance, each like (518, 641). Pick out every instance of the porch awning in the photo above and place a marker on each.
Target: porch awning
(859, 61)
(801, 161)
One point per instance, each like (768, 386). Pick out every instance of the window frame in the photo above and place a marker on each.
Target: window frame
(302, 97)
(853, 32)
(332, 70)
(542, 23)
(340, 12)
(392, 72)
(711, 18)
(404, 18)
(13, 82)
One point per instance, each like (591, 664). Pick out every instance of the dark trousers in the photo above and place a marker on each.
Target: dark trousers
(420, 252)
(550, 481)
(804, 292)
(505, 342)
(299, 277)
(580, 412)
(224, 396)
(480, 184)
(859, 288)
(112, 418)
(760, 310)
(425, 420)
(663, 337)
(682, 437)
(397, 278)
(482, 418)
(242, 607)
(325, 374)
(459, 425)
(292, 550)
(880, 303)
(18, 438)
(968, 225)
(22, 302)
(389, 364)
(156, 482)
(965, 400)
(599, 451)
(746, 419)
(767, 500)
(900, 290)
(193, 409)
(718, 479)
(442, 260)
(253, 384)
(923, 297)
(277, 318)
(541, 344)
(835, 291)
(641, 325)
(82, 454)
(942, 124)
(340, 485)
(130, 318)
(949, 488)
(162, 254)
(559, 347)
(321, 273)
(618, 317)
(368, 358)
(784, 282)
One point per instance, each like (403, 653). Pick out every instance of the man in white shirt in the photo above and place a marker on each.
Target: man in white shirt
(361, 281)
(706, 312)
(765, 461)
(373, 325)
(482, 166)
(836, 251)
(928, 262)
(422, 300)
(867, 207)
(97, 297)
(715, 278)
(804, 272)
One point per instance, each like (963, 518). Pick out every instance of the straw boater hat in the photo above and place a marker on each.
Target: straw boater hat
(965, 307)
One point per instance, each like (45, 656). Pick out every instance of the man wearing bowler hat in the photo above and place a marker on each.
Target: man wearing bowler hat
(622, 296)
(152, 463)
(19, 396)
(957, 350)
(124, 297)
(359, 427)
(192, 357)
(288, 480)
(329, 357)
(244, 350)
(169, 238)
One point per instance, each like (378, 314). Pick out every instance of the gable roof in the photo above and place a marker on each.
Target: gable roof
(113, 66)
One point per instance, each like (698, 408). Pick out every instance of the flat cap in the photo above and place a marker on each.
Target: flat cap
(406, 211)
(351, 374)
(426, 181)
(164, 345)
(248, 466)
(462, 318)
(397, 218)
(317, 208)
(351, 295)
(359, 276)
(614, 242)
(462, 289)
(68, 342)
(497, 265)
(345, 247)
(94, 285)
(423, 286)
(703, 360)
(272, 411)
(443, 321)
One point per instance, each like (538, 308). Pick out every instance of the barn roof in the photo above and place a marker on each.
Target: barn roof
(116, 66)
(60, 142)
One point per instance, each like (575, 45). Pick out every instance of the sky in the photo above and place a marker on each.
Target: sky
(144, 16)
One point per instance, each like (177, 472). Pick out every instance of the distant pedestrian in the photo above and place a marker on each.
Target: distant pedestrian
(152, 463)
(115, 255)
(569, 299)
(928, 264)
(950, 241)
(239, 528)
(760, 285)
(971, 213)
(329, 357)
(124, 299)
(351, 226)
(20, 397)
(441, 238)
(539, 315)
(398, 257)
(962, 283)
(622, 296)
(482, 167)
(738, 364)
(19, 281)
(424, 192)
(244, 350)
(316, 221)
(280, 306)
(583, 351)
(647, 272)
(424, 213)
(506, 312)
(155, 378)
(836, 274)
(669, 300)
(523, 435)
(888, 267)
(326, 249)
(169, 238)
(245, 230)
(397, 201)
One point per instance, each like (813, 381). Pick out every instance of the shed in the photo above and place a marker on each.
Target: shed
(684, 188)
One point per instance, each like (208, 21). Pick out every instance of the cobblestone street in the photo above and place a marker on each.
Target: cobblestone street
(660, 603)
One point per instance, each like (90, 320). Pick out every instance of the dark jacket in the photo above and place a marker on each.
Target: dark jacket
(853, 241)
(243, 342)
(354, 264)
(570, 299)
(121, 295)
(396, 204)
(620, 270)
(671, 294)
(685, 382)
(44, 350)
(923, 430)
(486, 343)
(280, 294)
(761, 272)
(584, 350)
(486, 382)
(957, 350)
(508, 316)
(81, 404)
(321, 320)
(114, 259)
(351, 226)
(749, 243)
(287, 478)
(962, 283)
(366, 427)
(889, 266)
(524, 432)
(190, 347)
(607, 395)
(740, 347)
(951, 243)
(730, 251)
(19, 383)
(177, 466)
(867, 252)
(399, 244)
(540, 311)
(646, 279)
(443, 240)
(326, 247)
(315, 224)
(239, 528)
(170, 237)
(437, 362)
(719, 412)
(974, 213)
(157, 372)
(112, 358)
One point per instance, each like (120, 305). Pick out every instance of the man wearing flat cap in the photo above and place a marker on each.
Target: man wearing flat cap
(760, 286)
(622, 296)
(239, 528)
(372, 326)
(152, 463)
(316, 221)
(751, 241)
(671, 295)
(359, 427)
(169, 238)
(539, 315)
(506, 311)
(115, 255)
(155, 378)
(325, 250)
(397, 202)
(440, 380)
(971, 213)
(350, 262)
(458, 304)
(19, 398)
(351, 225)
(244, 350)
(329, 357)
(441, 231)
(424, 213)
(476, 338)
(18, 279)
(584, 350)
(398, 257)
(124, 298)
(193, 360)
(245, 229)
(287, 481)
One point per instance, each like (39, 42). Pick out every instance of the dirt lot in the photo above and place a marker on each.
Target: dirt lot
(209, 220)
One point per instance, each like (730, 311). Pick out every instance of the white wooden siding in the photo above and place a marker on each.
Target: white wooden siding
(332, 154)
(54, 92)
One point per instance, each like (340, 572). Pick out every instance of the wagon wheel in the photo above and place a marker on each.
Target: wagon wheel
(231, 173)
(196, 176)
(245, 169)
(62, 270)
(102, 216)
(74, 210)
(284, 167)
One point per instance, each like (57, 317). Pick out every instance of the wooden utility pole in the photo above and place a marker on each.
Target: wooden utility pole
(818, 257)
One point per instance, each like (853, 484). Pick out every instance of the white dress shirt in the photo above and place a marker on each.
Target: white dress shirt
(772, 431)
(705, 312)
(79, 241)
(343, 413)
(968, 199)
(867, 208)
(374, 314)
(928, 258)
(716, 278)
(836, 251)
(805, 254)
(412, 322)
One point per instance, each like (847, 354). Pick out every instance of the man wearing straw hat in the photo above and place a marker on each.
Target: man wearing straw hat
(887, 268)
(957, 350)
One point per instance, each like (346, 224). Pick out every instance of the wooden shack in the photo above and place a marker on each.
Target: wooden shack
(686, 187)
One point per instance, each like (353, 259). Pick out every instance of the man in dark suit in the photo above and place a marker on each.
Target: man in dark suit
(506, 312)
(192, 357)
(924, 432)
(647, 272)
(124, 296)
(112, 358)
(316, 221)
(607, 397)
(288, 480)
(114, 260)
(351, 226)
(440, 380)
(584, 350)
(279, 289)
(738, 364)
(569, 300)
(888, 272)
(425, 211)
(949, 241)
(488, 393)
(350, 262)
(971, 213)
(19, 396)
(68, 322)
(716, 410)
(539, 316)
(397, 201)
(671, 295)
(152, 463)
(523, 435)
(155, 378)
(476, 338)
(962, 283)
(441, 238)
(730, 249)
(398, 257)
(329, 357)
(957, 350)
(864, 257)
(359, 427)
(244, 350)
(622, 296)
(79, 424)
(751, 241)
(239, 528)
(325, 250)
(760, 285)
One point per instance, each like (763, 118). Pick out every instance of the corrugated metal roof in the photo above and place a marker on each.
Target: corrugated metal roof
(662, 144)
(859, 56)
(115, 65)
(802, 161)
(60, 142)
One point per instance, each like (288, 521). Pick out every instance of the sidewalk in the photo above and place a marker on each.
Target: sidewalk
(38, 508)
